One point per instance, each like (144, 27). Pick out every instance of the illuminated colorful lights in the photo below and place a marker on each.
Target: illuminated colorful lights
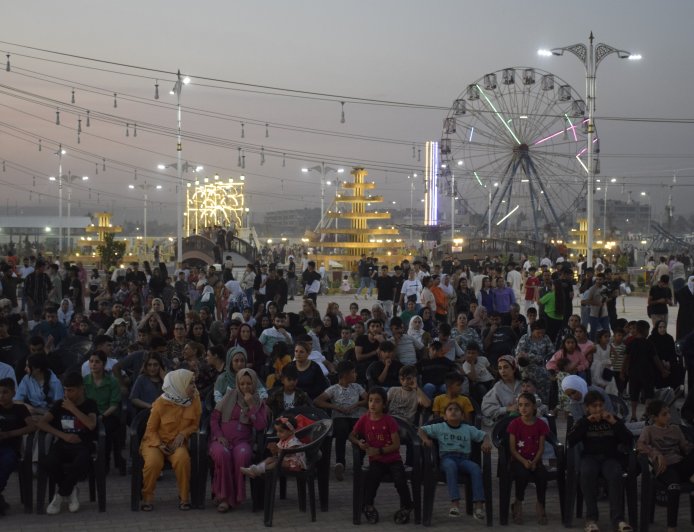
(498, 114)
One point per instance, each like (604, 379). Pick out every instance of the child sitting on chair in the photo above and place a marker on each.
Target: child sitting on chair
(285, 427)
(454, 439)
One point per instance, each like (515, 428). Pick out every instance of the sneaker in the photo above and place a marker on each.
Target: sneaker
(340, 472)
(479, 514)
(74, 503)
(54, 506)
(691, 479)
(454, 512)
(248, 471)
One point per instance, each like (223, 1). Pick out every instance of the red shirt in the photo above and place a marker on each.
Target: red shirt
(352, 320)
(530, 284)
(527, 436)
(378, 433)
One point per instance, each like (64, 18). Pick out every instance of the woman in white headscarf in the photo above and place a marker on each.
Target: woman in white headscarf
(175, 415)
(576, 389)
(206, 300)
(65, 312)
(236, 416)
(416, 330)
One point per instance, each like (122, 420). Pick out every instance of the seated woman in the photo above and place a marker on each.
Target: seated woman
(501, 399)
(254, 349)
(311, 379)
(103, 388)
(148, 385)
(236, 361)
(240, 411)
(174, 417)
(39, 388)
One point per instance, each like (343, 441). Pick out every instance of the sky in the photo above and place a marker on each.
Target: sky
(394, 50)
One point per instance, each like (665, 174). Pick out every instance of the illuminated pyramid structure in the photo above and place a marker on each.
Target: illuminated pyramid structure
(346, 245)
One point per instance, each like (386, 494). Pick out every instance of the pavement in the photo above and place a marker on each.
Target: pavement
(166, 516)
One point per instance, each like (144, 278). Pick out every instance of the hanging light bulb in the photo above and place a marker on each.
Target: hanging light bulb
(115, 100)
(134, 130)
(88, 124)
(413, 149)
(156, 89)
(127, 130)
(79, 124)
(72, 100)
(8, 63)
(267, 131)
(3, 166)
(419, 155)
(96, 168)
(243, 131)
(342, 118)
(243, 161)
(135, 176)
(282, 185)
(57, 117)
(103, 161)
(78, 138)
(90, 193)
(262, 155)
(284, 160)
(239, 160)
(40, 147)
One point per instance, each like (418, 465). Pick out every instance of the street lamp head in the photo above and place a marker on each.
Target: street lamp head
(186, 80)
(544, 53)
(158, 187)
(328, 183)
(52, 178)
(131, 187)
(199, 168)
(85, 178)
(644, 194)
(340, 170)
(304, 170)
(634, 57)
(613, 180)
(161, 166)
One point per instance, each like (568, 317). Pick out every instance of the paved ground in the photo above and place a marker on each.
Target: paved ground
(287, 517)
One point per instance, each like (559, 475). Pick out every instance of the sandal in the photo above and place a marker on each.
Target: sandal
(591, 526)
(402, 516)
(623, 526)
(223, 507)
(371, 515)
(146, 507)
(184, 506)
(517, 510)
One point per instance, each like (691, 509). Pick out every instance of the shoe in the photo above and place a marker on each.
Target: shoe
(248, 471)
(371, 515)
(402, 516)
(74, 503)
(479, 514)
(339, 472)
(454, 512)
(54, 506)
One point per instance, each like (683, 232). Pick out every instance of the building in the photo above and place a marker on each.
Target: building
(290, 223)
(623, 216)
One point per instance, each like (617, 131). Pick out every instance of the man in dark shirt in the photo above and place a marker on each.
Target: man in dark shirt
(37, 285)
(366, 348)
(659, 297)
(434, 369)
(398, 279)
(384, 372)
(73, 422)
(498, 339)
(385, 288)
(15, 421)
(310, 280)
(135, 275)
(12, 349)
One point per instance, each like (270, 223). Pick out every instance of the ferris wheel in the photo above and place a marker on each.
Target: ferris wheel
(517, 140)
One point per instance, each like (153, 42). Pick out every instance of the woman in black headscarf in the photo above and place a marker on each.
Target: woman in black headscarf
(664, 345)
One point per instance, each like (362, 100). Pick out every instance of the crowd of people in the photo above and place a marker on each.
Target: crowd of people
(453, 342)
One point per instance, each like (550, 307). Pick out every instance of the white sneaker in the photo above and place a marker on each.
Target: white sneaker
(53, 507)
(249, 471)
(74, 503)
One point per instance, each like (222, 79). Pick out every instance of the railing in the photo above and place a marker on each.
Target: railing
(207, 247)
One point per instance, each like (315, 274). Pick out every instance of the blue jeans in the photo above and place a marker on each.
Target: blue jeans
(451, 464)
(597, 324)
(432, 390)
(8, 461)
(249, 296)
(365, 282)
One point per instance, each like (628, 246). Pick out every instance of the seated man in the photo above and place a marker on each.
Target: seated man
(72, 421)
(385, 372)
(15, 421)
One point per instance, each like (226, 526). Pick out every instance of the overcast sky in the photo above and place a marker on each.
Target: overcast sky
(397, 50)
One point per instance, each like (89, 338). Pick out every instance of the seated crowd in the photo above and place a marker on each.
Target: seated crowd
(445, 348)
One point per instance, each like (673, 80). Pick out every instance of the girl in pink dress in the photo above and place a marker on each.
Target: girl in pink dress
(233, 420)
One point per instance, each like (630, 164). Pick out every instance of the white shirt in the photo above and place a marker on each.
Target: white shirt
(411, 288)
(481, 368)
(514, 279)
(110, 362)
(234, 288)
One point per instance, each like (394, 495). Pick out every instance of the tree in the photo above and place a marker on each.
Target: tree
(111, 252)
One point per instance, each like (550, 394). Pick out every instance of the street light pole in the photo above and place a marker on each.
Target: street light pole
(70, 179)
(648, 197)
(145, 188)
(452, 207)
(323, 173)
(60, 154)
(180, 81)
(590, 56)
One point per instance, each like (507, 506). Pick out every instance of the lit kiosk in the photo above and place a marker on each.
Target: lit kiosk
(345, 243)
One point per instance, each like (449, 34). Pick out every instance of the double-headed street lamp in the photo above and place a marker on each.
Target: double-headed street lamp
(145, 187)
(604, 207)
(323, 170)
(648, 197)
(590, 56)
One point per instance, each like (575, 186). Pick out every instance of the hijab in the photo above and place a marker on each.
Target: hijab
(174, 387)
(664, 343)
(477, 321)
(227, 380)
(64, 317)
(234, 397)
(574, 382)
(206, 294)
(252, 347)
(416, 333)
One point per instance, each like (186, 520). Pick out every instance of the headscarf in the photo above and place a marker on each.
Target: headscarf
(664, 343)
(234, 397)
(253, 348)
(416, 333)
(477, 321)
(511, 361)
(64, 317)
(206, 293)
(227, 380)
(174, 387)
(574, 382)
(690, 284)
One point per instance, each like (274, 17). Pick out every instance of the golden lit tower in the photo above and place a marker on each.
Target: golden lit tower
(351, 242)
